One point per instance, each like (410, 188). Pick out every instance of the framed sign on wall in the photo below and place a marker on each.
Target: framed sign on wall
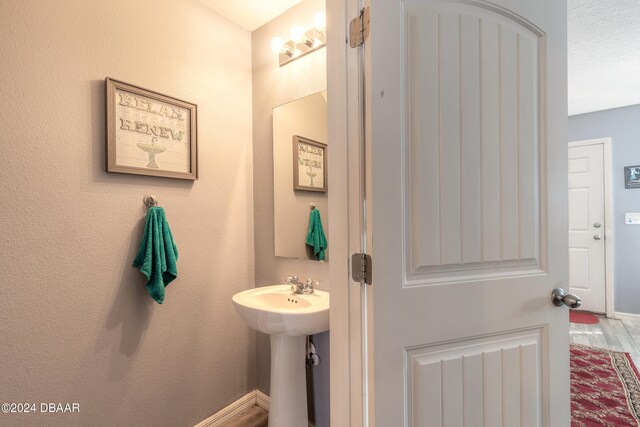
(632, 176)
(309, 165)
(149, 133)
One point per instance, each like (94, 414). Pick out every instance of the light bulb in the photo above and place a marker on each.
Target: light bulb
(297, 34)
(277, 44)
(320, 20)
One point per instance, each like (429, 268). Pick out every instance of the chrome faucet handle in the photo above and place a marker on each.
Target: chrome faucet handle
(296, 286)
(310, 285)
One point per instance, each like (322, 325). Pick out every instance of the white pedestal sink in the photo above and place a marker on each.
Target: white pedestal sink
(288, 318)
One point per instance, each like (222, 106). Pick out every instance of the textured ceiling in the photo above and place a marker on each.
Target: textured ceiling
(249, 14)
(604, 54)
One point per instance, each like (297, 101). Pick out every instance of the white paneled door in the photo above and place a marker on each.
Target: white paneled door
(468, 205)
(587, 226)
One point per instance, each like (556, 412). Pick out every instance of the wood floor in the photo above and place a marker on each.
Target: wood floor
(614, 334)
(252, 417)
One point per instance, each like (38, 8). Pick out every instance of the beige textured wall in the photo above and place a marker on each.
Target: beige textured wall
(76, 324)
(273, 86)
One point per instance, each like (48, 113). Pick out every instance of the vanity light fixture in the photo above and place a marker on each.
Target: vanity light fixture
(301, 42)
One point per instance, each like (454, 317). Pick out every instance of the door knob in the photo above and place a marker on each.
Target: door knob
(559, 297)
(597, 225)
(598, 237)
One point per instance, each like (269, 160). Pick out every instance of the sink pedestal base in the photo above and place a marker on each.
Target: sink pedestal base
(288, 394)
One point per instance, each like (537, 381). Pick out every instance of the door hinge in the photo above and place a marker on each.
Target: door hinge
(361, 268)
(359, 28)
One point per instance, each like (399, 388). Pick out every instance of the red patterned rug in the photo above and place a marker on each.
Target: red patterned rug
(605, 388)
(582, 317)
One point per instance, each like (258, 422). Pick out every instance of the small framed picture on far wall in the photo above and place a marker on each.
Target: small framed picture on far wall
(632, 176)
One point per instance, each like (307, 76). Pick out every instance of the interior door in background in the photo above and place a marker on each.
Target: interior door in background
(468, 163)
(587, 226)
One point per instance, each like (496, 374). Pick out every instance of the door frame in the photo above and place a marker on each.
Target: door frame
(348, 390)
(608, 218)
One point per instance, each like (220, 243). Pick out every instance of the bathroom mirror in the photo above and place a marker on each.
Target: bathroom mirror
(300, 149)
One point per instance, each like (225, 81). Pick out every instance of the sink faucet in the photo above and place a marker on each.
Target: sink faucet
(296, 286)
(308, 287)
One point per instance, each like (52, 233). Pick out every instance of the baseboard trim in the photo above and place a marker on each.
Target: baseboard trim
(221, 417)
(255, 397)
(262, 400)
(619, 315)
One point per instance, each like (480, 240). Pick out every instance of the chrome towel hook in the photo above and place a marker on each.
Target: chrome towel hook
(312, 205)
(150, 200)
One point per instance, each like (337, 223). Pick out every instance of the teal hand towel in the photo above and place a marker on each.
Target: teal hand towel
(158, 255)
(315, 235)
